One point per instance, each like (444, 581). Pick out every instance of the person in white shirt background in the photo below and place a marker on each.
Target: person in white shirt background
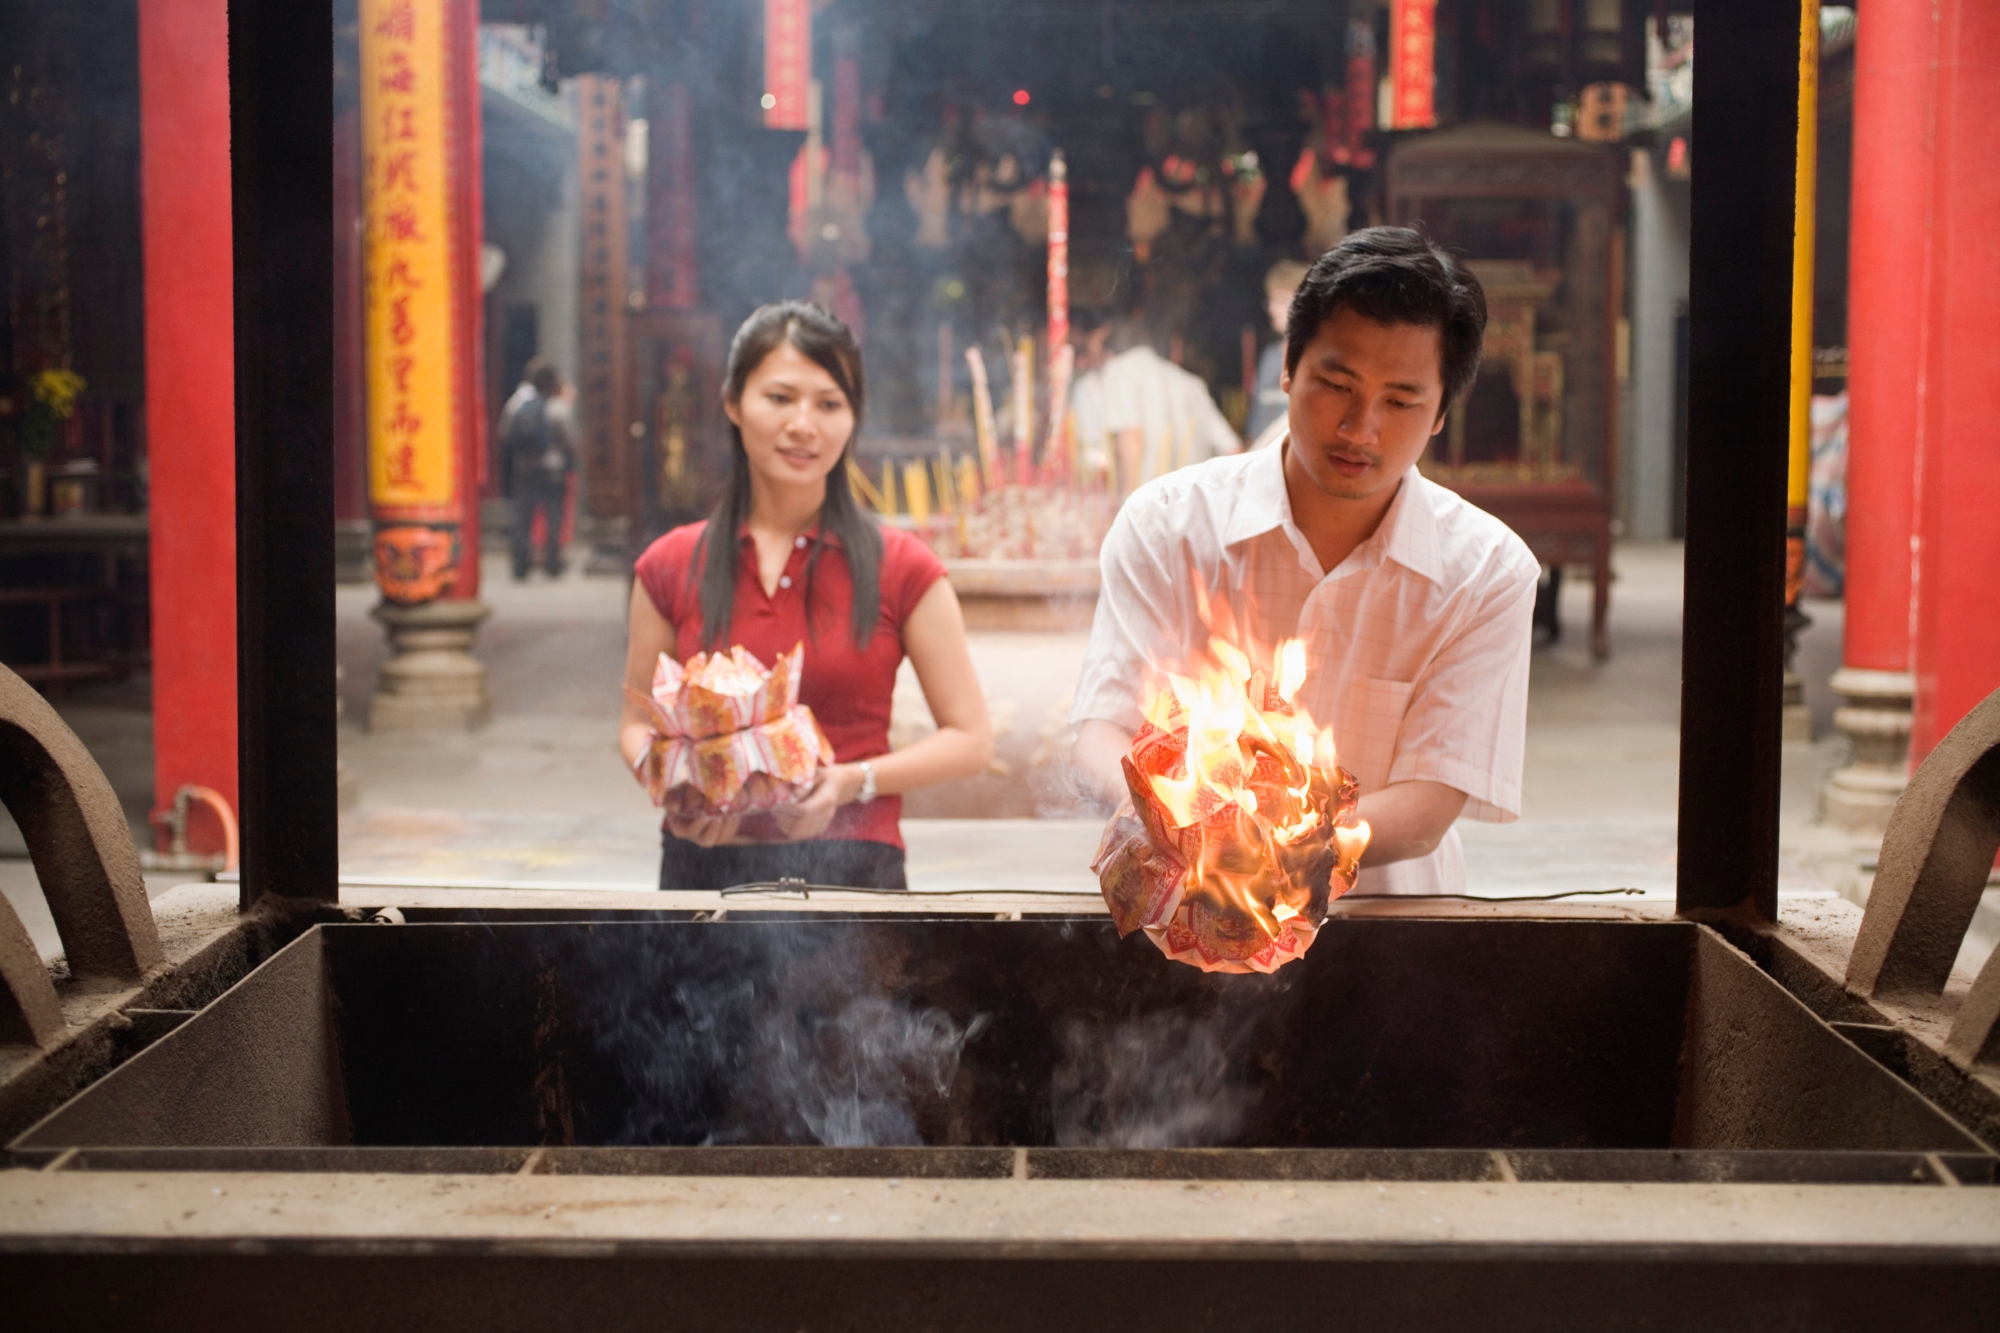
(1269, 404)
(1414, 606)
(1136, 411)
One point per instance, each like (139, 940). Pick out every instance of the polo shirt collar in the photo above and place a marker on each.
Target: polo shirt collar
(1408, 533)
(832, 540)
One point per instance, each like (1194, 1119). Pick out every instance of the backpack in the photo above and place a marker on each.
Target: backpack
(527, 438)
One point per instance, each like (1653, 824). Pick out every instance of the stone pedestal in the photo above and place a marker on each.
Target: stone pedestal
(1876, 718)
(431, 682)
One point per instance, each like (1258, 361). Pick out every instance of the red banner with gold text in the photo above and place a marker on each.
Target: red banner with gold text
(1412, 64)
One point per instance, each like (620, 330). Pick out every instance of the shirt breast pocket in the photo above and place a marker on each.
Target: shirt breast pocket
(1371, 715)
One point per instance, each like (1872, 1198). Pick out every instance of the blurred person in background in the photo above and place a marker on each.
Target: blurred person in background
(1269, 404)
(788, 557)
(538, 448)
(1136, 411)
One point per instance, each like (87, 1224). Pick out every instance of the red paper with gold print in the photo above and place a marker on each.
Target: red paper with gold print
(1228, 863)
(729, 736)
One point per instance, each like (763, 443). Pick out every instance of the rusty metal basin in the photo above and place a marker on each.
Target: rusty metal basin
(901, 1046)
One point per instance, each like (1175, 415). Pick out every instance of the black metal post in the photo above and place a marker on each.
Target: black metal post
(1739, 307)
(281, 181)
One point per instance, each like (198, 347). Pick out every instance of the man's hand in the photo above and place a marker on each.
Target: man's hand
(1407, 820)
(1100, 752)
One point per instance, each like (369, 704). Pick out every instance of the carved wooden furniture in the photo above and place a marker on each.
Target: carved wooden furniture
(1535, 441)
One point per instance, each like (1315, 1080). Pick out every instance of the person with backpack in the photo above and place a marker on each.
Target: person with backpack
(538, 447)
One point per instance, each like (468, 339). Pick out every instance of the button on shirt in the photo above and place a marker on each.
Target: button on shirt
(1417, 643)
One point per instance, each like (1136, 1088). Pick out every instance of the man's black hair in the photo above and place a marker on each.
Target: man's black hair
(1394, 275)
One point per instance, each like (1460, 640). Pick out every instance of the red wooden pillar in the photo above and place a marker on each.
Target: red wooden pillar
(1895, 87)
(350, 415)
(190, 398)
(1894, 91)
(1956, 554)
(465, 199)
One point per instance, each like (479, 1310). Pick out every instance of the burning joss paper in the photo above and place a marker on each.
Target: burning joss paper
(729, 737)
(1241, 828)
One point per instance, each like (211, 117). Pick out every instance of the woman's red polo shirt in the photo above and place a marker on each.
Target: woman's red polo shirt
(847, 690)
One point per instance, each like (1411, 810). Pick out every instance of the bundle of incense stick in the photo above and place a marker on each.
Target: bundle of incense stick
(982, 419)
(1056, 452)
(1024, 412)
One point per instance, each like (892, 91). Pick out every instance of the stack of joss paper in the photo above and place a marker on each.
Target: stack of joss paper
(729, 737)
(1242, 827)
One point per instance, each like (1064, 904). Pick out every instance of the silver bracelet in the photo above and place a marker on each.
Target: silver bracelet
(867, 792)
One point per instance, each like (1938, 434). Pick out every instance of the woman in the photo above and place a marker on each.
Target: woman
(787, 557)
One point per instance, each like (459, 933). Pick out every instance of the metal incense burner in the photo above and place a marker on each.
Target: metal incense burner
(993, 1110)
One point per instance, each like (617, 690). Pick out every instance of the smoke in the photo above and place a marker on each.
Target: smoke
(851, 1080)
(770, 1033)
(1164, 1080)
(867, 1034)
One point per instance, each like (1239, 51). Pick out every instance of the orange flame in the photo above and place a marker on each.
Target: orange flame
(1248, 776)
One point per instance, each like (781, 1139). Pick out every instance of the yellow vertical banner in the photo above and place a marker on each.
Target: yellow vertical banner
(407, 271)
(1804, 233)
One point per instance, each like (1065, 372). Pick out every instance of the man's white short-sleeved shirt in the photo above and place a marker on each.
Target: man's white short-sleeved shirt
(1417, 643)
(1178, 422)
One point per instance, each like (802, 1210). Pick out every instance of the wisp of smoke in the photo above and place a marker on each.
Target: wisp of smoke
(851, 1079)
(773, 1033)
(1163, 1080)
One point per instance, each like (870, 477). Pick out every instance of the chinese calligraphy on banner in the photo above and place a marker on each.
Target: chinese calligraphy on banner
(1412, 64)
(407, 282)
(603, 278)
(787, 62)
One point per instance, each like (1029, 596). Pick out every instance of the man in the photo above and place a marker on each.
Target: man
(1414, 606)
(538, 446)
(1268, 408)
(1136, 410)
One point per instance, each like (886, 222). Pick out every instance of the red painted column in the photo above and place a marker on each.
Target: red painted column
(1956, 556)
(190, 398)
(1894, 100)
(1891, 274)
(350, 404)
(464, 198)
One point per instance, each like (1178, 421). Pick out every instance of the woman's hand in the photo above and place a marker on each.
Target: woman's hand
(707, 830)
(838, 784)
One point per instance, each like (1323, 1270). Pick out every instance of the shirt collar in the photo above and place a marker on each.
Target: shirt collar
(1408, 532)
(830, 539)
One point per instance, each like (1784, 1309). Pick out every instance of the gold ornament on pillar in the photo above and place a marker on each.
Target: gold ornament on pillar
(414, 386)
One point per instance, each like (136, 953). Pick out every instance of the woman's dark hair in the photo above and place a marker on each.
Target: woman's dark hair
(1394, 275)
(830, 345)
